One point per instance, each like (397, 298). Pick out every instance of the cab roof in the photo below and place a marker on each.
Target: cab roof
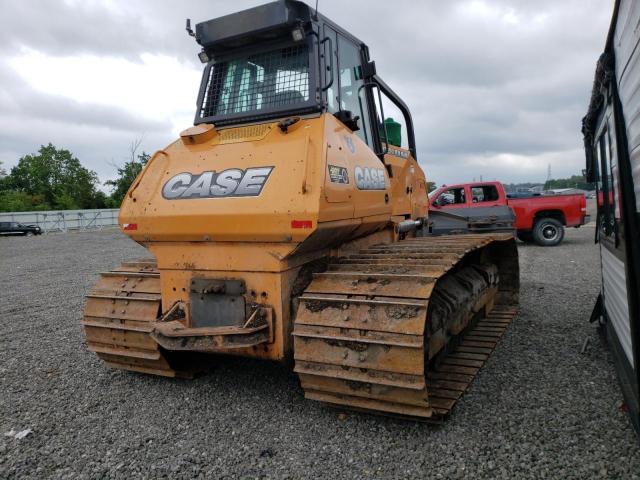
(258, 24)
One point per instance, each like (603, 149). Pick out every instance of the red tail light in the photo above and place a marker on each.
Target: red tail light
(129, 226)
(301, 224)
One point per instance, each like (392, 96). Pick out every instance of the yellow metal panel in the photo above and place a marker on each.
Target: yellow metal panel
(301, 212)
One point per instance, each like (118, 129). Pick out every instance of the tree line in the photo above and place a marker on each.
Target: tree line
(575, 181)
(54, 179)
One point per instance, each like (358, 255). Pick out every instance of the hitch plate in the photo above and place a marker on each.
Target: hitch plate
(217, 302)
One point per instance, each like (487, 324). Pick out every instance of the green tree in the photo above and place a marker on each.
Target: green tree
(575, 181)
(52, 179)
(12, 201)
(431, 186)
(127, 173)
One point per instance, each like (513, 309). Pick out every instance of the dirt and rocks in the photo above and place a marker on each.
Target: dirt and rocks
(539, 408)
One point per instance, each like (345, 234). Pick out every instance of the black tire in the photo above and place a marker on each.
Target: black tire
(29, 234)
(548, 232)
(526, 237)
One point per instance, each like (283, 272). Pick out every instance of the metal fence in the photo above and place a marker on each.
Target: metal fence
(65, 220)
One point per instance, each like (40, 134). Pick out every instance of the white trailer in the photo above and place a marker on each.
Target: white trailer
(611, 131)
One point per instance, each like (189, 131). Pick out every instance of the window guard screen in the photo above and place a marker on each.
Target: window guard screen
(268, 81)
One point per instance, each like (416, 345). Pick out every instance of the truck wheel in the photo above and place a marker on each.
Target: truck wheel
(526, 237)
(548, 232)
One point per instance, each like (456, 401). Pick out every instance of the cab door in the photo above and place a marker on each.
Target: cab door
(352, 140)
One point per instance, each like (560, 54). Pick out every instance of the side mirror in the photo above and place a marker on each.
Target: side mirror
(346, 117)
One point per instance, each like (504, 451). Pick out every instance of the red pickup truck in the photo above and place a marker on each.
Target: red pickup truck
(539, 218)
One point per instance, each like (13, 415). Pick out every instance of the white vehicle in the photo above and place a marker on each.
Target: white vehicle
(611, 145)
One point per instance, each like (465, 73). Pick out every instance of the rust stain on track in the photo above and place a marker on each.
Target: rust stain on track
(362, 338)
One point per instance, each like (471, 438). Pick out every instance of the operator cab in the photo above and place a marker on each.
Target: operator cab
(283, 60)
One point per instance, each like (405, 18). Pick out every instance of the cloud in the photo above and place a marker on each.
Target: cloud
(492, 166)
(496, 88)
(147, 88)
(110, 28)
(67, 27)
(97, 134)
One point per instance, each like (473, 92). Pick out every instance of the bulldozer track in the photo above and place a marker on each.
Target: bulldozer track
(119, 316)
(360, 333)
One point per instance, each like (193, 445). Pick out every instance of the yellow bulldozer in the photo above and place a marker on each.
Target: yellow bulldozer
(290, 222)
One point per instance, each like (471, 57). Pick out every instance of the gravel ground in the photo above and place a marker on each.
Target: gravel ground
(538, 409)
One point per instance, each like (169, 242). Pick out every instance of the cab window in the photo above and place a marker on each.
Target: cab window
(607, 186)
(484, 193)
(391, 129)
(352, 96)
(331, 76)
(345, 92)
(451, 196)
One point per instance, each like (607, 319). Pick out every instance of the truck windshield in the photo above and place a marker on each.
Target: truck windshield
(257, 84)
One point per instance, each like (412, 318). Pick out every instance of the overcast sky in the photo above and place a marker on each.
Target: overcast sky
(497, 88)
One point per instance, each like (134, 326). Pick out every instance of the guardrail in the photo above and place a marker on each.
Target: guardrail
(65, 220)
